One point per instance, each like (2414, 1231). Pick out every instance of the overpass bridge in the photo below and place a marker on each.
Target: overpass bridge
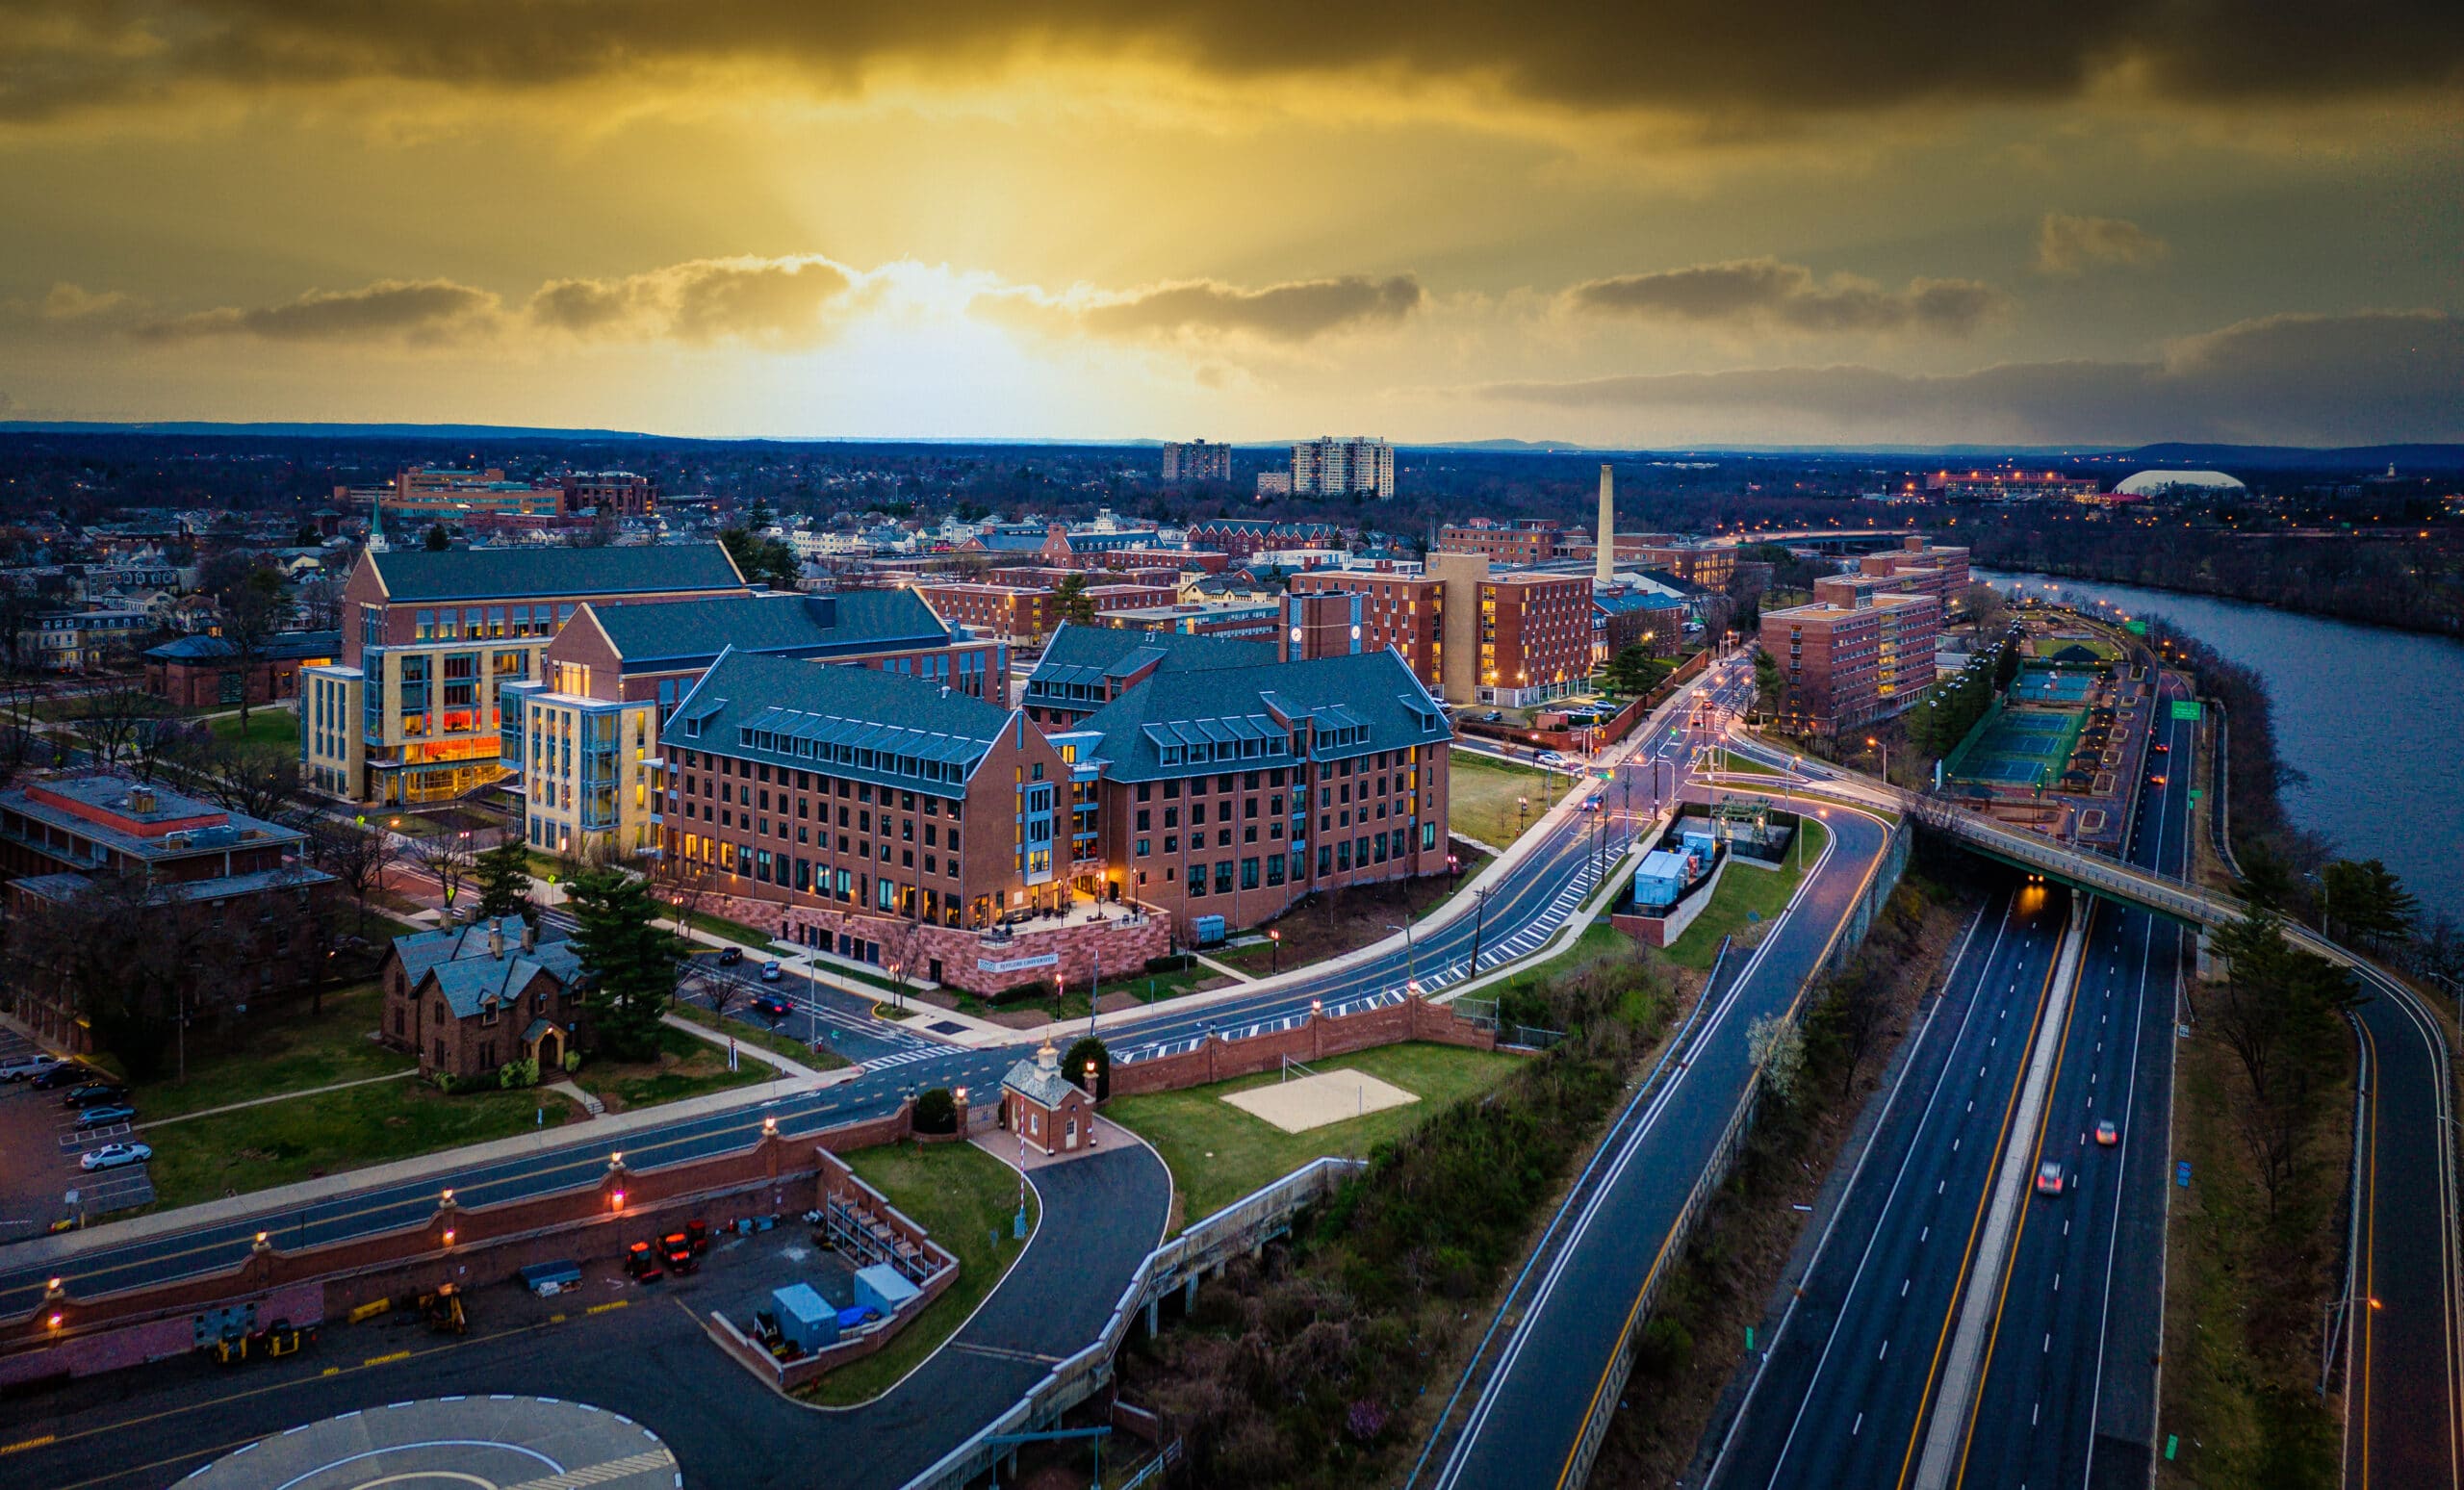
(1836, 540)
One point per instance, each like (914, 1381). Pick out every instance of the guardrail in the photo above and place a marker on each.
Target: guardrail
(1176, 1264)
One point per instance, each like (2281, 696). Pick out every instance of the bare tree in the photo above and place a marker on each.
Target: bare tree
(138, 963)
(356, 857)
(444, 857)
(109, 716)
(254, 778)
(682, 884)
(320, 597)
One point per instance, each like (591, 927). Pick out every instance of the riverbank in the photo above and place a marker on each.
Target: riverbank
(2388, 584)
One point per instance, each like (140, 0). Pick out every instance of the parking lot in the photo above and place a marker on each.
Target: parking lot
(40, 1144)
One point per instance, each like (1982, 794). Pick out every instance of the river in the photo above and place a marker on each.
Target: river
(2373, 719)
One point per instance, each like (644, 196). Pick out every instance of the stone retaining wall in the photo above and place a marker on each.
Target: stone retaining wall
(1315, 1038)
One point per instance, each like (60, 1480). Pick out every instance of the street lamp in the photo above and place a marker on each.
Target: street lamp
(1521, 805)
(1411, 958)
(1274, 937)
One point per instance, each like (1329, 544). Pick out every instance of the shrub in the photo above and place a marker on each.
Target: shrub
(515, 1074)
(936, 1112)
(445, 1082)
(572, 1061)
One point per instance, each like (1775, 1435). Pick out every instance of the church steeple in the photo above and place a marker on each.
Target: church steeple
(376, 543)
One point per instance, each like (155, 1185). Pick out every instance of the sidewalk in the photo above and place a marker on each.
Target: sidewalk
(279, 1097)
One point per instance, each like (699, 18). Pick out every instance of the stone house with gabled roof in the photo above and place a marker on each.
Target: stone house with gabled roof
(1045, 1107)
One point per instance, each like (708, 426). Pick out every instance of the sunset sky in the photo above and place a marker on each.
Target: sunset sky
(1642, 224)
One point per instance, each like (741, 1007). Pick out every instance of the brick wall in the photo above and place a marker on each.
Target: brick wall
(1125, 947)
(1319, 1037)
(489, 1243)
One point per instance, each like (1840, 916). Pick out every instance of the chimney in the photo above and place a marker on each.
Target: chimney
(140, 800)
(529, 937)
(1604, 569)
(495, 940)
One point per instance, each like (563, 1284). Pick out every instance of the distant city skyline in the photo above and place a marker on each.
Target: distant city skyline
(1757, 230)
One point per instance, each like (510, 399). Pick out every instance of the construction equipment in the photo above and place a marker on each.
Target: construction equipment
(642, 1264)
(283, 1338)
(676, 1250)
(442, 1310)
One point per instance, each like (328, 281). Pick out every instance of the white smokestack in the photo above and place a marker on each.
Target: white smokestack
(1604, 566)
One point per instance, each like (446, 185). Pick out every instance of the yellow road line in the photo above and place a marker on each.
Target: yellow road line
(1950, 1310)
(24, 1444)
(386, 1360)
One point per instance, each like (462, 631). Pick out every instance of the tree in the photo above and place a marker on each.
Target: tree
(251, 607)
(1776, 1045)
(1767, 685)
(254, 778)
(110, 716)
(681, 884)
(2369, 901)
(1983, 604)
(2277, 1011)
(763, 560)
(1071, 603)
(502, 875)
(937, 1111)
(438, 539)
(2267, 882)
(138, 963)
(628, 963)
(443, 858)
(1073, 1065)
(356, 857)
(1634, 672)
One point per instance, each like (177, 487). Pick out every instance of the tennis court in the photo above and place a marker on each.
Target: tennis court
(2021, 747)
(2043, 685)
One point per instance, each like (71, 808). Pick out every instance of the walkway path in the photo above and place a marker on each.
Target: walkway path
(279, 1097)
(1225, 968)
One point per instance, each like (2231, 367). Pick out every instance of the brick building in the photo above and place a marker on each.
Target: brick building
(876, 797)
(411, 713)
(1399, 611)
(1236, 791)
(608, 492)
(1923, 569)
(1532, 541)
(1709, 565)
(1085, 668)
(1856, 653)
(468, 998)
(1041, 1104)
(1237, 620)
(1240, 538)
(582, 734)
(1196, 460)
(1021, 613)
(205, 671)
(176, 857)
(1534, 638)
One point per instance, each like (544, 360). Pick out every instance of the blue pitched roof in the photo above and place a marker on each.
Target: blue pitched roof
(1191, 722)
(890, 729)
(660, 634)
(413, 575)
(1087, 656)
(280, 645)
(467, 948)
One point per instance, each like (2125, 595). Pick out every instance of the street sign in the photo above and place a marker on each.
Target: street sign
(2182, 1173)
(2193, 795)
(2134, 627)
(2186, 708)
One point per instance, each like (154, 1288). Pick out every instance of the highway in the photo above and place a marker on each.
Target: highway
(1843, 1389)
(1529, 1410)
(2068, 1396)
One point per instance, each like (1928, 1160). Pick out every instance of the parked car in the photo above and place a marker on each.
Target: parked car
(2049, 1177)
(112, 1156)
(770, 1005)
(2108, 1132)
(1493, 716)
(728, 957)
(770, 972)
(93, 1093)
(67, 1073)
(26, 1067)
(105, 1114)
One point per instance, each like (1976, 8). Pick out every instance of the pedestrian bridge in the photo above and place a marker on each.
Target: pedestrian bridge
(2196, 907)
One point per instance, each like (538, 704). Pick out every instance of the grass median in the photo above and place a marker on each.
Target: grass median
(1748, 898)
(966, 1199)
(1217, 1152)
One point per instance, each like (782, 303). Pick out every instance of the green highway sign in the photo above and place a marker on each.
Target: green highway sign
(2134, 627)
(2186, 708)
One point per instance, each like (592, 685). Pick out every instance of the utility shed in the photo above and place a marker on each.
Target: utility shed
(882, 1286)
(1661, 878)
(805, 1319)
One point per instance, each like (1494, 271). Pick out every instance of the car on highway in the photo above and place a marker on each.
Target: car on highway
(93, 1093)
(2108, 1132)
(2161, 748)
(26, 1067)
(113, 1156)
(771, 1006)
(771, 971)
(728, 957)
(2156, 781)
(108, 1113)
(2049, 1177)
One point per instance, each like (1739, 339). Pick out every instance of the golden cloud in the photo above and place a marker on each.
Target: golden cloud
(1761, 295)
(1290, 313)
(702, 300)
(2068, 247)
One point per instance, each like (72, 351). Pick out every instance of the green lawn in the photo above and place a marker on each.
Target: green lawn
(965, 1198)
(1745, 891)
(687, 1067)
(281, 1141)
(747, 1034)
(266, 727)
(1482, 794)
(286, 1052)
(1218, 1153)
(1731, 760)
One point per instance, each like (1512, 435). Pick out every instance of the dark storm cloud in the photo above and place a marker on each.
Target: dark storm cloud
(1292, 312)
(1783, 56)
(1761, 293)
(424, 311)
(2285, 379)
